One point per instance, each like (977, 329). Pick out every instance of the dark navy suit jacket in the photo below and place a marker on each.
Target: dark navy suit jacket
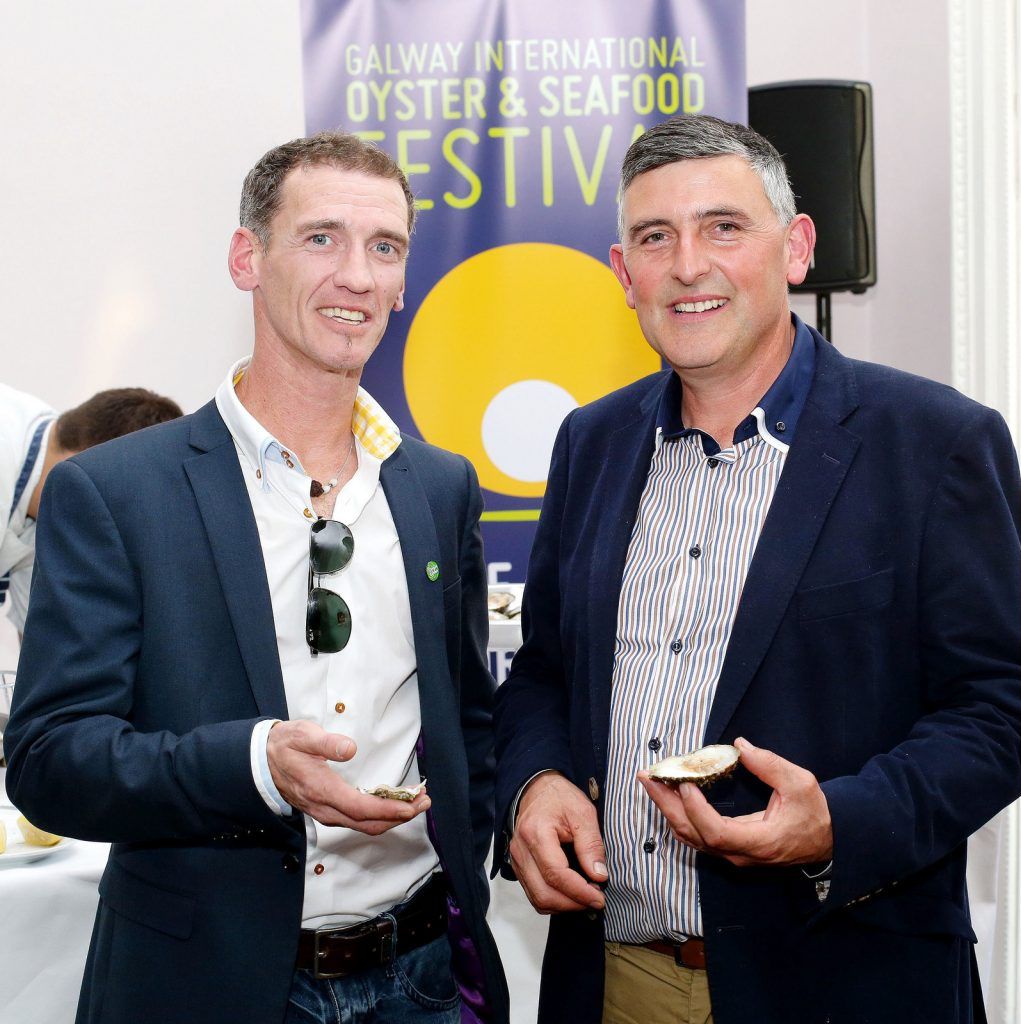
(149, 655)
(877, 643)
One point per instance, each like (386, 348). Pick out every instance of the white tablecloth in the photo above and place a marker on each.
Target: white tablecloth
(46, 912)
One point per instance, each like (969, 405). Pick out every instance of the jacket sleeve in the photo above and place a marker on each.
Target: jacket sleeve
(961, 763)
(532, 706)
(71, 730)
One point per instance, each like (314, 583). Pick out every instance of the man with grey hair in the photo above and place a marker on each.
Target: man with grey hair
(254, 634)
(806, 561)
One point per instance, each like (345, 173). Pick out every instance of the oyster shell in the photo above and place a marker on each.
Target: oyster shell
(703, 766)
(505, 601)
(405, 793)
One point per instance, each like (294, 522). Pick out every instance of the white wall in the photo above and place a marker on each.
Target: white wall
(126, 127)
(902, 49)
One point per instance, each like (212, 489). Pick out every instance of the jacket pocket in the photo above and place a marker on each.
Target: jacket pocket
(875, 591)
(144, 903)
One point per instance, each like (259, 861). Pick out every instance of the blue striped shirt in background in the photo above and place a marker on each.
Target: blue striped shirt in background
(699, 519)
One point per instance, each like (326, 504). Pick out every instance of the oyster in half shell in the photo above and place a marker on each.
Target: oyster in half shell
(703, 766)
(405, 793)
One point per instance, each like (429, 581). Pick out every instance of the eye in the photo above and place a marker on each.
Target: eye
(726, 227)
(319, 239)
(654, 237)
(385, 248)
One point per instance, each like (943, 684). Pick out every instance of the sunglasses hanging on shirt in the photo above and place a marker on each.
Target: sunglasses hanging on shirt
(327, 618)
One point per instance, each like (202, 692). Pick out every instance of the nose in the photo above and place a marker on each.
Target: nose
(692, 258)
(352, 270)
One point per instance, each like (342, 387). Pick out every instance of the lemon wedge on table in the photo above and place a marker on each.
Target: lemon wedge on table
(36, 836)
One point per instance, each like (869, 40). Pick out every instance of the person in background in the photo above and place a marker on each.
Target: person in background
(32, 442)
(246, 622)
(770, 545)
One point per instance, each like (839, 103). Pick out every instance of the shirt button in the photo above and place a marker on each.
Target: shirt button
(649, 846)
(340, 707)
(258, 474)
(677, 647)
(308, 514)
(780, 426)
(695, 551)
(655, 743)
(712, 463)
(319, 869)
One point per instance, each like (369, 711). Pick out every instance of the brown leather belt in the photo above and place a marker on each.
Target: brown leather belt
(339, 952)
(690, 953)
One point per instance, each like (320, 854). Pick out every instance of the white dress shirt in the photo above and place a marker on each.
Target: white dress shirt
(369, 690)
(25, 423)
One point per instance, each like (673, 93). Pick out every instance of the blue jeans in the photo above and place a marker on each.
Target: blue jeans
(417, 988)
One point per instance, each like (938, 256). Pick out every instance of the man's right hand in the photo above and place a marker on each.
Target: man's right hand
(298, 753)
(553, 811)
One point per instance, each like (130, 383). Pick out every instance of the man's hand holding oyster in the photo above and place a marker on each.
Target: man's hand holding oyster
(795, 827)
(299, 753)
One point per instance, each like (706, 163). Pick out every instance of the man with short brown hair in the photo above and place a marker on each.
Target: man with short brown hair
(285, 638)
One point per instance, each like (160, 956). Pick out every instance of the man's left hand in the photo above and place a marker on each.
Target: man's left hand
(795, 827)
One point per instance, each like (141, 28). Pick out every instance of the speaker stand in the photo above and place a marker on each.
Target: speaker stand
(822, 315)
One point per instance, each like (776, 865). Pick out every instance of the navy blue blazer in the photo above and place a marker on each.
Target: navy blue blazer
(877, 643)
(150, 654)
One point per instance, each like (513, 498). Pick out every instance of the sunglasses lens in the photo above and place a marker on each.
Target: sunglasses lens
(330, 546)
(327, 621)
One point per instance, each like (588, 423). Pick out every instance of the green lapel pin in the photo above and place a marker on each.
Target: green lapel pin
(432, 570)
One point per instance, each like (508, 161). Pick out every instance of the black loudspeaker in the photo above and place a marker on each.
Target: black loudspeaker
(823, 130)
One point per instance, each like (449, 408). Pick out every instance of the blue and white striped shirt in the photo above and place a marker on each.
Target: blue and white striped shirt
(699, 520)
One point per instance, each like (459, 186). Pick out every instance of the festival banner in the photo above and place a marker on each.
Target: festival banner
(511, 118)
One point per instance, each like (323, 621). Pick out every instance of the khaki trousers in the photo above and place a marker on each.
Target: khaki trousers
(643, 987)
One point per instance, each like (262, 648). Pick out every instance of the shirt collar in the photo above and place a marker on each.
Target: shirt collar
(376, 433)
(776, 416)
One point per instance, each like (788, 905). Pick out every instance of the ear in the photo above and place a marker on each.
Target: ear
(243, 259)
(399, 301)
(620, 269)
(800, 246)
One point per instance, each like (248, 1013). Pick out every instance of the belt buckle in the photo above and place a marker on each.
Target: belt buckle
(320, 954)
(384, 928)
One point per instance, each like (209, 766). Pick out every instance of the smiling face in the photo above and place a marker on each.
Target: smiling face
(332, 271)
(705, 262)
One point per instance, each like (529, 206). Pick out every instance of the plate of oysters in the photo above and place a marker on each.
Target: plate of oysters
(21, 842)
(505, 615)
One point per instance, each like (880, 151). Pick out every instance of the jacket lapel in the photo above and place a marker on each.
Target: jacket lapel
(815, 468)
(618, 490)
(222, 498)
(412, 516)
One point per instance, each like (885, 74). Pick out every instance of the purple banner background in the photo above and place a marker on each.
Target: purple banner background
(378, 66)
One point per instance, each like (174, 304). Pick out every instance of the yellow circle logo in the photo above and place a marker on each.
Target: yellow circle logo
(506, 344)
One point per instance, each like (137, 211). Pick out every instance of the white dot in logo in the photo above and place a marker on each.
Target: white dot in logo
(520, 425)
